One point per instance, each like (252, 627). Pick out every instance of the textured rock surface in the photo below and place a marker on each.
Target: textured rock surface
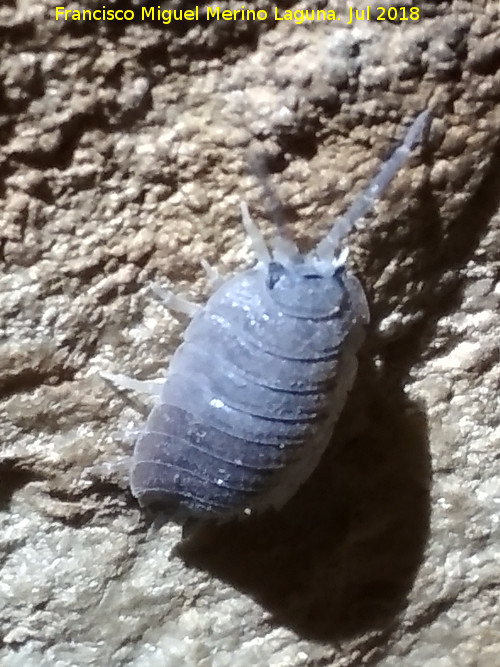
(123, 154)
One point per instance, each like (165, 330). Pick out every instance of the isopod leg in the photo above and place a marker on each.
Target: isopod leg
(175, 302)
(151, 387)
(214, 277)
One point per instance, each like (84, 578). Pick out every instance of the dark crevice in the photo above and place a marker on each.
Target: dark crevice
(31, 379)
(14, 475)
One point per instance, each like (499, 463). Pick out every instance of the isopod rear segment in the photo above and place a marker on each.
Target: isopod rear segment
(252, 394)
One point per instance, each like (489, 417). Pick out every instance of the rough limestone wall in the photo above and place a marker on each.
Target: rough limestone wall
(123, 152)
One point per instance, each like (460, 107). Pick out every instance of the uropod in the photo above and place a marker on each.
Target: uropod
(251, 396)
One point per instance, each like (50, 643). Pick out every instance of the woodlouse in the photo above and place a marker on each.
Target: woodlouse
(252, 394)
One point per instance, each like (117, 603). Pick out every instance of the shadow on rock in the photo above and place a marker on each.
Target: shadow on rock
(341, 557)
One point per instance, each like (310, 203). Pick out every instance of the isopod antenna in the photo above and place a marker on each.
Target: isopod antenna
(284, 248)
(327, 249)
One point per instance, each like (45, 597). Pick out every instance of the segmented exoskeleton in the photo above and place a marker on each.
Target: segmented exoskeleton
(251, 396)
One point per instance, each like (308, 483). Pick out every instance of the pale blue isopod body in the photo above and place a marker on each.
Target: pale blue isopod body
(251, 396)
